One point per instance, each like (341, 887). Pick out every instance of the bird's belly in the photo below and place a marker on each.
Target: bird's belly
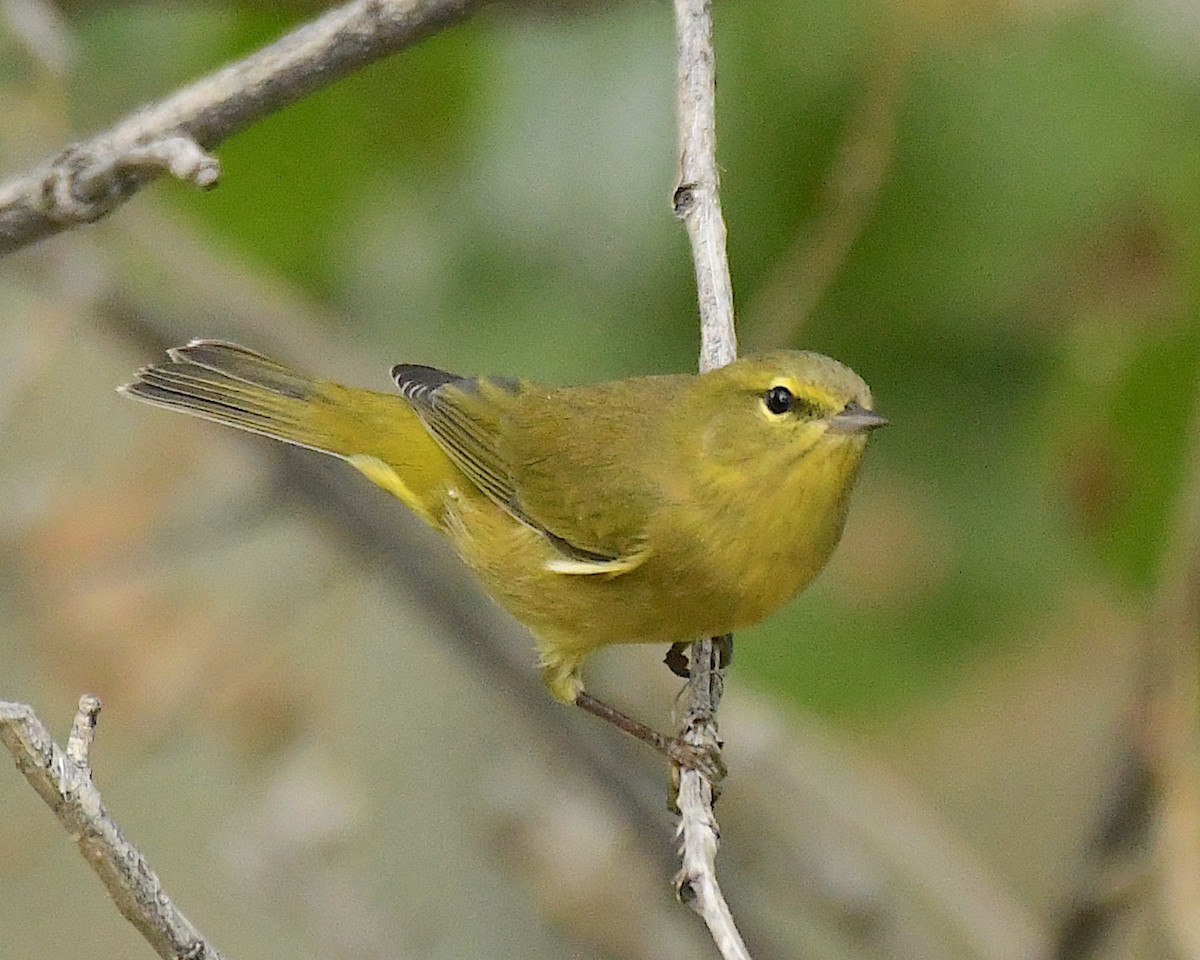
(574, 613)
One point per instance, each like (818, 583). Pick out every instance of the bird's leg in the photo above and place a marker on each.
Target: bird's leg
(674, 749)
(622, 721)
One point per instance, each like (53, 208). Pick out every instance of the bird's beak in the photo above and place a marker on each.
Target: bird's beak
(856, 419)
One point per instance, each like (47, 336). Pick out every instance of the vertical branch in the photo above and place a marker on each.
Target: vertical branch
(697, 203)
(697, 200)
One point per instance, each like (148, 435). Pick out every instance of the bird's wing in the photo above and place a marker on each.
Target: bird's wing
(516, 460)
(466, 431)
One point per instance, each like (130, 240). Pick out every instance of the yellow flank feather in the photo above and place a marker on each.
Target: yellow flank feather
(651, 510)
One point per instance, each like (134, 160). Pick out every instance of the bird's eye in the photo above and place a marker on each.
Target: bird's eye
(779, 400)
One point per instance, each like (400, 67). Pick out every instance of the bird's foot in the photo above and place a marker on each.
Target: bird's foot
(705, 760)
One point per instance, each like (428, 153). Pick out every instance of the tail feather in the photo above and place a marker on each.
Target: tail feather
(238, 363)
(166, 387)
(229, 384)
(378, 433)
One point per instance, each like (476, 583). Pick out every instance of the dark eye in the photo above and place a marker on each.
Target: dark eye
(779, 400)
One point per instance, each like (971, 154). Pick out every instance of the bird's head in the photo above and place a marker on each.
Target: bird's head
(774, 412)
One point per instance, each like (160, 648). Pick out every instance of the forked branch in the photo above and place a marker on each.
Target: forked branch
(63, 778)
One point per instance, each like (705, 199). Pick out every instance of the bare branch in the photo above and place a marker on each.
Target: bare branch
(696, 884)
(697, 200)
(697, 203)
(63, 778)
(91, 179)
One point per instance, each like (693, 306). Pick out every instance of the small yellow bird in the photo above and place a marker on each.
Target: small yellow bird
(656, 509)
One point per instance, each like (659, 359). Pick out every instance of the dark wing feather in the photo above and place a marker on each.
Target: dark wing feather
(457, 414)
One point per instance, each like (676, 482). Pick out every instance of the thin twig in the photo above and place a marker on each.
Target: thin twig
(697, 203)
(63, 778)
(697, 200)
(90, 179)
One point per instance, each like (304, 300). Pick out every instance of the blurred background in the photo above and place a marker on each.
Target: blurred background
(974, 737)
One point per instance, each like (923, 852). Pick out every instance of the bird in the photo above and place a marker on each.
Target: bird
(655, 509)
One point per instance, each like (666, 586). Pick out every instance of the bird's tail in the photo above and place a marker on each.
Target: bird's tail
(232, 385)
(376, 432)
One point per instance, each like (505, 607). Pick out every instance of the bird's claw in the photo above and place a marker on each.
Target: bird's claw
(704, 760)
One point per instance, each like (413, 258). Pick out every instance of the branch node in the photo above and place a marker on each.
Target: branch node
(83, 732)
(85, 182)
(685, 890)
(683, 200)
(179, 155)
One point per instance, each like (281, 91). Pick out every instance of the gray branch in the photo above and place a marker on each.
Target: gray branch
(697, 198)
(697, 203)
(63, 778)
(88, 180)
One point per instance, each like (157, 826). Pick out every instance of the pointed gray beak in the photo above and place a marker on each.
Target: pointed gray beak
(856, 419)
